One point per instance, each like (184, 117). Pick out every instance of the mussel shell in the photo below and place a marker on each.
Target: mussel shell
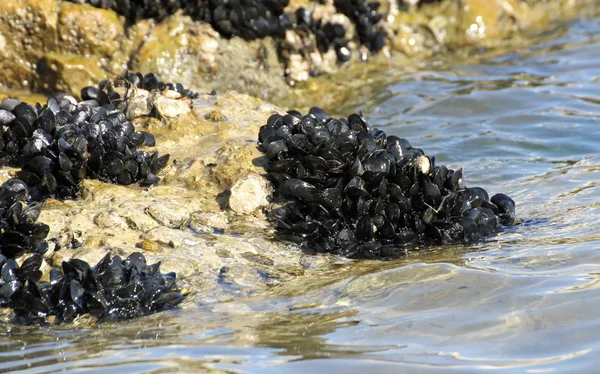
(25, 112)
(300, 189)
(365, 229)
(159, 164)
(506, 207)
(30, 269)
(8, 290)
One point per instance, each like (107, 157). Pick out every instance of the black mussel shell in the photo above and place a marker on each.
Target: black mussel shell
(352, 190)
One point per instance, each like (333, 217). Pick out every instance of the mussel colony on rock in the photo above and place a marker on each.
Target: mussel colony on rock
(354, 191)
(57, 146)
(105, 94)
(252, 19)
(64, 142)
(113, 290)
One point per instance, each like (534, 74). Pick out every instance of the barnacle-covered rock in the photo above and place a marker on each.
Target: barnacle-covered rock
(55, 45)
(138, 95)
(112, 290)
(256, 19)
(352, 190)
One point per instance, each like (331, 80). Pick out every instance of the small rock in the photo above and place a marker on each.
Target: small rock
(169, 108)
(239, 276)
(215, 116)
(313, 262)
(258, 258)
(249, 194)
(223, 253)
(138, 105)
(165, 236)
(171, 94)
(168, 216)
(149, 245)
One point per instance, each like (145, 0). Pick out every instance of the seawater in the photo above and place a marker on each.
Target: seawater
(525, 122)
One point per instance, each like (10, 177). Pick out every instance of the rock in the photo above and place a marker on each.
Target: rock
(167, 108)
(208, 223)
(149, 245)
(177, 49)
(87, 30)
(259, 259)
(110, 219)
(28, 29)
(259, 74)
(165, 236)
(250, 194)
(215, 116)
(52, 45)
(139, 104)
(168, 216)
(70, 73)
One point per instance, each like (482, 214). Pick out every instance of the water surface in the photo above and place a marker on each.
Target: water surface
(525, 123)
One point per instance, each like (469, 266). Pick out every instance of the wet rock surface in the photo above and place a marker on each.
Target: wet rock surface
(189, 222)
(249, 194)
(57, 146)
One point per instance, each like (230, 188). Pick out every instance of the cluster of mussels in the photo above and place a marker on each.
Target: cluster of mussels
(112, 290)
(354, 191)
(249, 19)
(365, 17)
(64, 142)
(327, 35)
(252, 19)
(139, 9)
(106, 95)
(57, 146)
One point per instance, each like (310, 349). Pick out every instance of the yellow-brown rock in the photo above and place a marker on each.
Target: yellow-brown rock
(27, 30)
(69, 73)
(177, 49)
(87, 30)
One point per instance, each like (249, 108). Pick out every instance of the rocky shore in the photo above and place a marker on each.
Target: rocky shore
(205, 219)
(55, 45)
(83, 180)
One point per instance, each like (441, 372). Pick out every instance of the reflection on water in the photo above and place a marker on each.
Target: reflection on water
(525, 123)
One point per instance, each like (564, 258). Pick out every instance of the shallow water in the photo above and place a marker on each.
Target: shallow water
(525, 123)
